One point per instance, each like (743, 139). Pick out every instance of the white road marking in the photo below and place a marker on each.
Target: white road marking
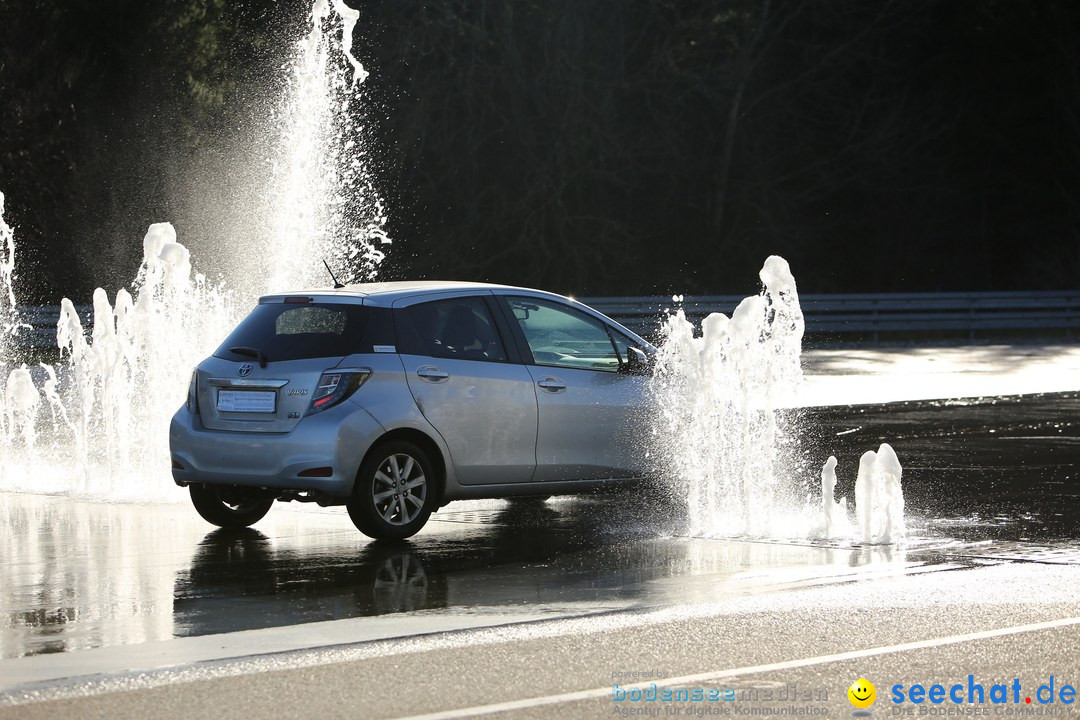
(527, 703)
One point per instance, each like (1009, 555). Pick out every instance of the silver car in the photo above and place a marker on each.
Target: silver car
(396, 398)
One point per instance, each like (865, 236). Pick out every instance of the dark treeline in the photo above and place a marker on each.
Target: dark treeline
(594, 147)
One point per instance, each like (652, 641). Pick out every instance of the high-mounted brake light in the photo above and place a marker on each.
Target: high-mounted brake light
(335, 386)
(297, 299)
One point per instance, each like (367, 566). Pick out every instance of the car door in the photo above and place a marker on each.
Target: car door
(590, 420)
(469, 387)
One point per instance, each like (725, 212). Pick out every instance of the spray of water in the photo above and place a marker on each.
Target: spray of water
(90, 427)
(879, 500)
(104, 433)
(722, 434)
(833, 523)
(8, 312)
(726, 438)
(17, 410)
(326, 202)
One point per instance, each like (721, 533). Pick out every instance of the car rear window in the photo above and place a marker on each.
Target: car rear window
(283, 331)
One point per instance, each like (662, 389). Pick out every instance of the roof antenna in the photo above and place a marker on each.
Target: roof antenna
(337, 285)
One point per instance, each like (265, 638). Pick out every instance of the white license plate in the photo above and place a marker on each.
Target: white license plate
(249, 401)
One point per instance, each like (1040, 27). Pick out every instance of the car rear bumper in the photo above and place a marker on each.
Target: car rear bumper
(337, 439)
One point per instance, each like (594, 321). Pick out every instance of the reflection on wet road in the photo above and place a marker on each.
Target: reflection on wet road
(98, 575)
(989, 479)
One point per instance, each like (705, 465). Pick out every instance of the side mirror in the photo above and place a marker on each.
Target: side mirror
(637, 362)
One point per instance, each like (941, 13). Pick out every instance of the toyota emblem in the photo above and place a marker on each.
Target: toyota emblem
(244, 370)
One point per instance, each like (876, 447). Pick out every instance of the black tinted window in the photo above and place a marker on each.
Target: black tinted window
(456, 328)
(284, 331)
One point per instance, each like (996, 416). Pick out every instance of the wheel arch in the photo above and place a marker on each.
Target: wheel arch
(422, 440)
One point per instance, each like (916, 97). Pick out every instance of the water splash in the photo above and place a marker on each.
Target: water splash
(8, 310)
(131, 375)
(725, 434)
(21, 408)
(723, 438)
(105, 434)
(326, 205)
(9, 318)
(833, 523)
(117, 386)
(879, 499)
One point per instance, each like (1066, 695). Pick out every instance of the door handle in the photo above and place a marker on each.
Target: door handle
(552, 384)
(432, 374)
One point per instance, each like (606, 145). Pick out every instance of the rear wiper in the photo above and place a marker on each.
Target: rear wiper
(251, 352)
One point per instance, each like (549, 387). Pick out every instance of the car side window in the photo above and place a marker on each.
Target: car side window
(563, 337)
(621, 344)
(459, 328)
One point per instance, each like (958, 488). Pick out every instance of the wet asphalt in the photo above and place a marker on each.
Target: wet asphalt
(992, 492)
(977, 469)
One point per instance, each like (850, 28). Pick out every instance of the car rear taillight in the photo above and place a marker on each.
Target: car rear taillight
(335, 386)
(193, 393)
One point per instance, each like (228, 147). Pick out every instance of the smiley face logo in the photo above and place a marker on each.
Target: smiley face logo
(862, 693)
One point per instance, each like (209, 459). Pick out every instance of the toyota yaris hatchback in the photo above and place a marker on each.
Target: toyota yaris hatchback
(394, 399)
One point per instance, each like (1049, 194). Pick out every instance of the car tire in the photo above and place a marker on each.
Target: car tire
(395, 491)
(228, 507)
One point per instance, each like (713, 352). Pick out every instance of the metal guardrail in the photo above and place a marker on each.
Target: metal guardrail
(843, 318)
(38, 324)
(830, 318)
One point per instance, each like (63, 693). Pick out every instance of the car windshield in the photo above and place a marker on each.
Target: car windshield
(284, 331)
